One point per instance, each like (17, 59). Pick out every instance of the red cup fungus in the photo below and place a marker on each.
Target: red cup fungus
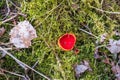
(67, 41)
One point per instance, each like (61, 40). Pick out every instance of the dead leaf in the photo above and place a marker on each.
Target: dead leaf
(114, 46)
(79, 69)
(86, 63)
(116, 70)
(2, 31)
(22, 34)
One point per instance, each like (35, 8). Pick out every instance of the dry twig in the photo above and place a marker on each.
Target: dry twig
(9, 19)
(12, 17)
(103, 11)
(89, 33)
(12, 73)
(23, 64)
(27, 70)
(8, 8)
(35, 64)
(13, 4)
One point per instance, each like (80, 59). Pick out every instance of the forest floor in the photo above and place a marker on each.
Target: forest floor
(88, 20)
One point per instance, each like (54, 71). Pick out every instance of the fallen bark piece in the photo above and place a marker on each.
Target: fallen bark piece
(22, 34)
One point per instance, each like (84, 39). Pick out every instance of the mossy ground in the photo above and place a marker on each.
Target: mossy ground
(51, 19)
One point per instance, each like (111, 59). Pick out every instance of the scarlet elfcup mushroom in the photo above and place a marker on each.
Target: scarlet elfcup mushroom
(67, 41)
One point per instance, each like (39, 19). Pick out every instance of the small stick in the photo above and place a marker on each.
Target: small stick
(8, 8)
(5, 44)
(2, 73)
(19, 13)
(13, 4)
(27, 70)
(12, 73)
(89, 33)
(102, 2)
(4, 54)
(103, 11)
(18, 61)
(86, 26)
(8, 49)
(35, 64)
(9, 19)
(15, 15)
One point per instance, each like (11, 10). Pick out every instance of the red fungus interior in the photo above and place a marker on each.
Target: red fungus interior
(67, 41)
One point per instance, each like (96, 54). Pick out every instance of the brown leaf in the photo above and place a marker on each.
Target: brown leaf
(2, 31)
